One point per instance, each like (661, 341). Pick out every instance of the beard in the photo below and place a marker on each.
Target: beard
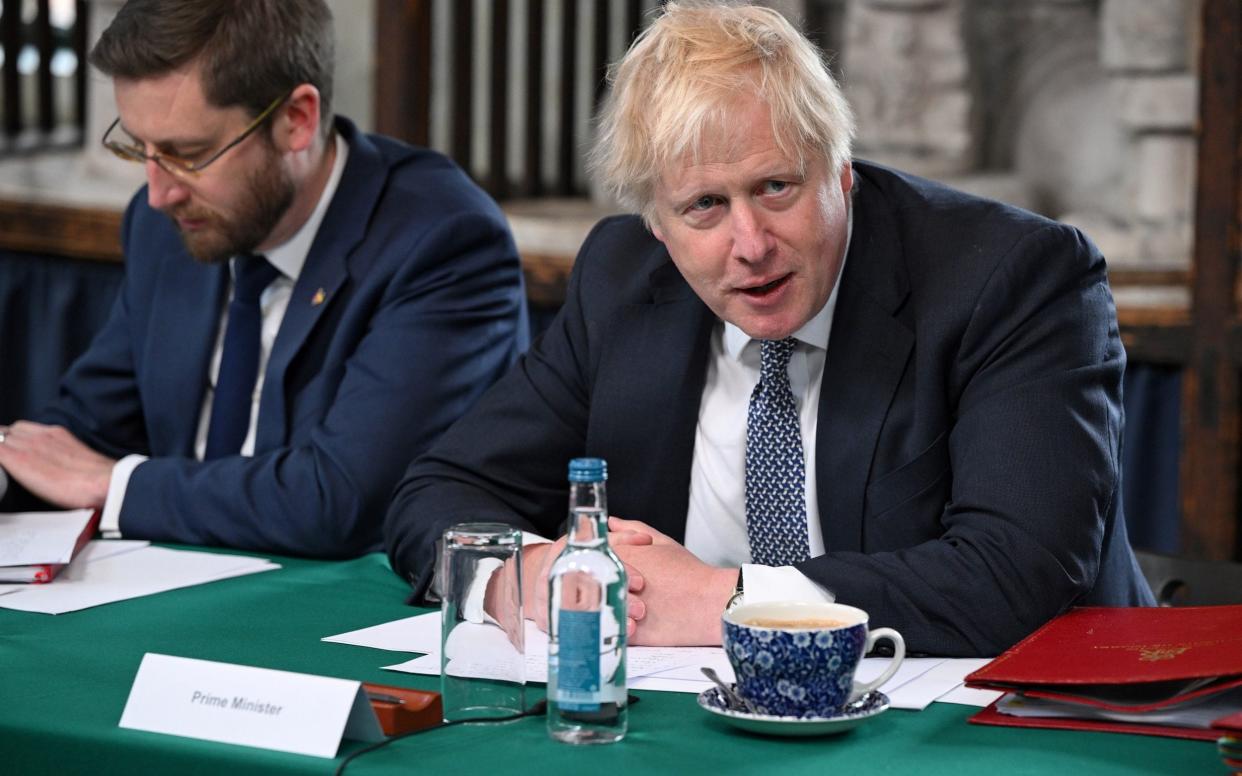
(267, 192)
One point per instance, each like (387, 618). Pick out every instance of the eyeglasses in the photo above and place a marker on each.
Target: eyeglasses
(131, 150)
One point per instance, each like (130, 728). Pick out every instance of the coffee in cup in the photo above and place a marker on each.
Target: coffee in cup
(797, 659)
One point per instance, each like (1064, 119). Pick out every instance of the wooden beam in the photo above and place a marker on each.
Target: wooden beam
(403, 63)
(53, 230)
(11, 40)
(498, 122)
(532, 152)
(1210, 389)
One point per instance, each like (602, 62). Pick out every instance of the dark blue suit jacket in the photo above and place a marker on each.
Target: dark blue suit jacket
(423, 308)
(968, 433)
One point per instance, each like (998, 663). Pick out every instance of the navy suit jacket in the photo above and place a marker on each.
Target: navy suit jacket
(969, 418)
(409, 305)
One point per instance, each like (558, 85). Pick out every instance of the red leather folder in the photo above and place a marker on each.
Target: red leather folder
(1127, 660)
(40, 573)
(1230, 725)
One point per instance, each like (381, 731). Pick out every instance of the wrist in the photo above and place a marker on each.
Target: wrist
(532, 569)
(721, 586)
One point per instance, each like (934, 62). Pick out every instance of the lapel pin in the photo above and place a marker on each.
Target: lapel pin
(318, 298)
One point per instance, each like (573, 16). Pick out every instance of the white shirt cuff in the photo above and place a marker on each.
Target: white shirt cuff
(529, 538)
(781, 583)
(472, 608)
(110, 520)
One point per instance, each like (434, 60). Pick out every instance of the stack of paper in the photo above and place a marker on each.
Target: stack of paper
(114, 570)
(916, 684)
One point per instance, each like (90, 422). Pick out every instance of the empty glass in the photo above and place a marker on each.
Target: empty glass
(482, 649)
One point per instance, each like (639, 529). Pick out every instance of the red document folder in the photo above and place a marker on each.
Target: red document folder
(39, 573)
(1136, 661)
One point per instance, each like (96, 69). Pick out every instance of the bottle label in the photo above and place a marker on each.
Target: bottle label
(577, 672)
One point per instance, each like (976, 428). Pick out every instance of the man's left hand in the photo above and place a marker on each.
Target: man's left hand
(52, 464)
(683, 597)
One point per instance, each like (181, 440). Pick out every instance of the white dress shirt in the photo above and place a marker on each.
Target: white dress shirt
(716, 516)
(288, 257)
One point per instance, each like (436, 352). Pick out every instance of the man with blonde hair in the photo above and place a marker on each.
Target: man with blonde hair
(839, 379)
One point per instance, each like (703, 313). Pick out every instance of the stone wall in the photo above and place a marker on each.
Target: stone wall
(1081, 109)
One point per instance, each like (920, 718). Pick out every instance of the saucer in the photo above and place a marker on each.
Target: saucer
(869, 705)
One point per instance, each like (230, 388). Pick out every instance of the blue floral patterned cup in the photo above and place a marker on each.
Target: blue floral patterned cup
(797, 659)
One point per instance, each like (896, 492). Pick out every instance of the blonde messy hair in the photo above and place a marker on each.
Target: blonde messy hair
(684, 73)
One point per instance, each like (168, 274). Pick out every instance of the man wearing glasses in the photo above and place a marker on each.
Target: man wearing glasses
(305, 308)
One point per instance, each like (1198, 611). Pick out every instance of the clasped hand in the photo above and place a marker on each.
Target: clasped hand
(674, 598)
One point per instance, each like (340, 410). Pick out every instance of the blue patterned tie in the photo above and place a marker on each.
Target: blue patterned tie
(775, 472)
(239, 358)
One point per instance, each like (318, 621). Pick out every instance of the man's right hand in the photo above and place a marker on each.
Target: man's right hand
(55, 466)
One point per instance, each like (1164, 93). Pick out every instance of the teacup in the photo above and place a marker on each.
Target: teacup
(797, 659)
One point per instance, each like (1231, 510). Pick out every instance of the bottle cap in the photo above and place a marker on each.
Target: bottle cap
(588, 470)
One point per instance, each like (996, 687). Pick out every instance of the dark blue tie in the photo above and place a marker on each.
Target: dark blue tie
(775, 471)
(239, 359)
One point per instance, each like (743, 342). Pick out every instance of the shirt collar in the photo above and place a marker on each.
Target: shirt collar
(290, 256)
(815, 331)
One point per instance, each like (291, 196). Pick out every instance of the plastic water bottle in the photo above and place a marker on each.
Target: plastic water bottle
(587, 592)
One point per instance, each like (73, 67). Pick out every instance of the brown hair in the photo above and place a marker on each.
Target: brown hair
(681, 77)
(250, 51)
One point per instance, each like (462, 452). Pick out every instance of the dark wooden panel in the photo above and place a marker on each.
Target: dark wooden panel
(1170, 276)
(11, 40)
(599, 51)
(532, 186)
(1164, 343)
(462, 84)
(403, 67)
(498, 124)
(80, 233)
(80, 26)
(46, 46)
(1210, 390)
(634, 18)
(567, 146)
(546, 277)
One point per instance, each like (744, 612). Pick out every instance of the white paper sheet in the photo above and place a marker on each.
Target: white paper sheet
(918, 682)
(942, 676)
(969, 696)
(493, 660)
(420, 633)
(94, 550)
(29, 538)
(99, 549)
(131, 574)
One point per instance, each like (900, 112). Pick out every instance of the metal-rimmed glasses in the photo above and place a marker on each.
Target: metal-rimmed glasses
(131, 150)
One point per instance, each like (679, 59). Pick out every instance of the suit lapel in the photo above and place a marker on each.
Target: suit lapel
(662, 352)
(867, 356)
(325, 271)
(187, 307)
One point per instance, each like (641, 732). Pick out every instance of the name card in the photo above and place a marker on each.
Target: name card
(258, 707)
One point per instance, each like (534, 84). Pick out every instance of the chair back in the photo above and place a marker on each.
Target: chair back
(1186, 582)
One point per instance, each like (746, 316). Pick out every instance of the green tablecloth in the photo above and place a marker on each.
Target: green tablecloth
(64, 680)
